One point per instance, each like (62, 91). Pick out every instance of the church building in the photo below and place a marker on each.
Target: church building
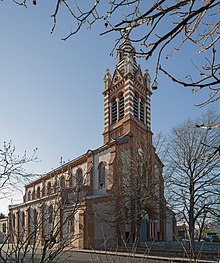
(111, 195)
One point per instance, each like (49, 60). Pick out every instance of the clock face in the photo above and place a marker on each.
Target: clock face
(116, 79)
(140, 79)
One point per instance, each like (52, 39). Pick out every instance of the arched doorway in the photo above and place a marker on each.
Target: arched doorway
(143, 227)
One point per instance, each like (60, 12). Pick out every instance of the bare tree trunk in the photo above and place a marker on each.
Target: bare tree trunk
(191, 220)
(193, 180)
(138, 218)
(201, 227)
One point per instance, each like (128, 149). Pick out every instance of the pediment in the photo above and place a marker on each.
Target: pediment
(117, 77)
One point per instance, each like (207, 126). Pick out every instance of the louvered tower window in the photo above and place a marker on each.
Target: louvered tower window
(121, 107)
(114, 111)
(135, 106)
(142, 111)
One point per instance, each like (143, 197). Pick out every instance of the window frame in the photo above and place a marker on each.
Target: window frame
(79, 183)
(38, 192)
(101, 177)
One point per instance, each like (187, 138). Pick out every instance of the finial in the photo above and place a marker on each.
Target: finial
(107, 78)
(125, 34)
(107, 74)
(147, 78)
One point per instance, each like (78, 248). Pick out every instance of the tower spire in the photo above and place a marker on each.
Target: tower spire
(125, 49)
(126, 96)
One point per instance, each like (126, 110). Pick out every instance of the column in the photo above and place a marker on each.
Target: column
(26, 223)
(17, 224)
(88, 227)
(41, 222)
(81, 229)
(58, 220)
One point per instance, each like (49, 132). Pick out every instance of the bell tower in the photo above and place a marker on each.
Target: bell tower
(126, 98)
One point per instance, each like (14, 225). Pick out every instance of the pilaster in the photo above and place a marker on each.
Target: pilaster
(41, 222)
(88, 227)
(81, 230)
(17, 224)
(90, 174)
(26, 222)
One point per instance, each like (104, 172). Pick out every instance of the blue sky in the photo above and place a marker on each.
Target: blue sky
(51, 90)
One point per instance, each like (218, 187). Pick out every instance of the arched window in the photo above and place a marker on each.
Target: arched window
(55, 185)
(71, 225)
(22, 220)
(70, 179)
(50, 214)
(121, 107)
(114, 111)
(29, 196)
(43, 190)
(101, 171)
(13, 221)
(79, 177)
(142, 111)
(49, 188)
(62, 182)
(135, 106)
(38, 192)
(144, 174)
(33, 194)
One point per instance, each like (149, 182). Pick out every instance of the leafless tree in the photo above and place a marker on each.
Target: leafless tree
(161, 146)
(12, 168)
(137, 192)
(159, 28)
(42, 234)
(193, 180)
